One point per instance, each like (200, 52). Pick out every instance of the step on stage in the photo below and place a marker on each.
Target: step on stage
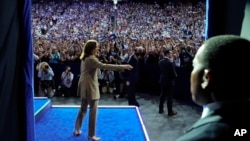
(114, 123)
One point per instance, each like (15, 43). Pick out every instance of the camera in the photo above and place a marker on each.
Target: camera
(46, 66)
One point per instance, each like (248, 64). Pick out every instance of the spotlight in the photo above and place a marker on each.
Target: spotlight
(115, 2)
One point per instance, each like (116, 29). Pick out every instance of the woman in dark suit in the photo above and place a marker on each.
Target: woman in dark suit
(88, 88)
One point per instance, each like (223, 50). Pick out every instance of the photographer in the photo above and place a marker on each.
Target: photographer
(45, 74)
(67, 78)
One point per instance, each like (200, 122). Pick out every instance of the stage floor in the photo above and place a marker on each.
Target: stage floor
(160, 127)
(123, 123)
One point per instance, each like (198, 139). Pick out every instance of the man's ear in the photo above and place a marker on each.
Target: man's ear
(206, 78)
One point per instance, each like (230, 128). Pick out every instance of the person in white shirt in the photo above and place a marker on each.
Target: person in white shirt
(67, 78)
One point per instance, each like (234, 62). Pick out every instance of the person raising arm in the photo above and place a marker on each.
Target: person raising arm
(88, 88)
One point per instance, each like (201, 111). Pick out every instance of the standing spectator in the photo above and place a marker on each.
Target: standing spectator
(167, 82)
(185, 58)
(131, 77)
(54, 56)
(88, 86)
(36, 57)
(67, 78)
(218, 87)
(107, 79)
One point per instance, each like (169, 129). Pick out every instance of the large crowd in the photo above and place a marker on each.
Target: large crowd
(60, 29)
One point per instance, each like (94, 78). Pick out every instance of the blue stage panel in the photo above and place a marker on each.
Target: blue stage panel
(113, 123)
(41, 106)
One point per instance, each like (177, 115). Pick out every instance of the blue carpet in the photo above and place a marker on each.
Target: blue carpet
(113, 124)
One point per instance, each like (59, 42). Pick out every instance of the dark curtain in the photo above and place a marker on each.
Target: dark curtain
(16, 73)
(224, 17)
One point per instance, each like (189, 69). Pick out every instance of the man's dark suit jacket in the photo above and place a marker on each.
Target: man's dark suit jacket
(167, 72)
(223, 124)
(132, 75)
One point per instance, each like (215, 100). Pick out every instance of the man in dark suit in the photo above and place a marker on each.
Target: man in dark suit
(167, 82)
(217, 85)
(131, 77)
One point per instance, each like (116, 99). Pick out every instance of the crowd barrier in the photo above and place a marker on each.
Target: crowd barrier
(147, 82)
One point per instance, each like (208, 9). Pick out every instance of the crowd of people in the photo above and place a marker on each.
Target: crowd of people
(60, 29)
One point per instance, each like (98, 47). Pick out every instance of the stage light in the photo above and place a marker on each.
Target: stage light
(115, 2)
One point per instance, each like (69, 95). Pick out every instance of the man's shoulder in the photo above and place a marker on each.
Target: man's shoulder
(164, 60)
(205, 129)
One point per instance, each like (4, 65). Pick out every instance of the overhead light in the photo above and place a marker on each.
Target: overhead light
(115, 1)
